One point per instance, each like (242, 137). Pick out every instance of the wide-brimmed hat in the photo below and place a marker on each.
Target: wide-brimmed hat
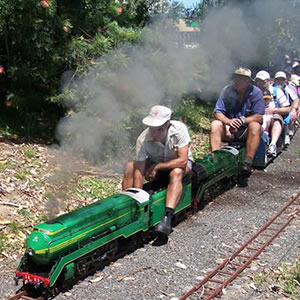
(280, 74)
(262, 75)
(243, 72)
(158, 116)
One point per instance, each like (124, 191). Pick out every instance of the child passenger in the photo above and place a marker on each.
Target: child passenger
(267, 118)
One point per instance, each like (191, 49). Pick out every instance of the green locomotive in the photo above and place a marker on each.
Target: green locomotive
(71, 244)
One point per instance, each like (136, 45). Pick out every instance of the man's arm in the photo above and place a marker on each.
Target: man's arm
(254, 118)
(178, 162)
(234, 123)
(139, 169)
(221, 117)
(278, 110)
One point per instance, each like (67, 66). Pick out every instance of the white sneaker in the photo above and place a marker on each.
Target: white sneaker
(272, 150)
(287, 140)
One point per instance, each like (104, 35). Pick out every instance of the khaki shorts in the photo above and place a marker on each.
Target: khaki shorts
(165, 173)
(277, 117)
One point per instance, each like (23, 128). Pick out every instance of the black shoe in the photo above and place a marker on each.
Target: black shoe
(164, 227)
(246, 170)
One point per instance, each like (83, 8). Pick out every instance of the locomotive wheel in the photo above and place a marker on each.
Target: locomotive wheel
(82, 267)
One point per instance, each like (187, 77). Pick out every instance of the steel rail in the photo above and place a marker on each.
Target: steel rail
(23, 296)
(240, 266)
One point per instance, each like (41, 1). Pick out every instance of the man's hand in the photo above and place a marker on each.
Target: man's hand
(293, 114)
(269, 111)
(151, 172)
(235, 123)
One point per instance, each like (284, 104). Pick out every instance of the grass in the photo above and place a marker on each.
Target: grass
(24, 212)
(30, 153)
(21, 175)
(196, 116)
(13, 227)
(200, 152)
(96, 188)
(5, 165)
(289, 281)
(259, 279)
(2, 241)
(298, 152)
(284, 280)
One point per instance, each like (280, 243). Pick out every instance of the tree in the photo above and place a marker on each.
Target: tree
(40, 40)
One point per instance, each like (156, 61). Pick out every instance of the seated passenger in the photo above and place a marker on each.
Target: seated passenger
(163, 147)
(238, 116)
(267, 118)
(291, 92)
(280, 108)
(262, 80)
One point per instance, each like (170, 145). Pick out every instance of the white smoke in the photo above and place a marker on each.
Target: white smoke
(160, 70)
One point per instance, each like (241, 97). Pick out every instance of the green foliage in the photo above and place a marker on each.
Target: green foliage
(21, 175)
(196, 116)
(24, 212)
(289, 279)
(34, 126)
(259, 279)
(13, 227)
(3, 240)
(30, 153)
(40, 40)
(5, 164)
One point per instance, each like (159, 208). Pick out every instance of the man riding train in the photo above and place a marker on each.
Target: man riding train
(238, 116)
(162, 150)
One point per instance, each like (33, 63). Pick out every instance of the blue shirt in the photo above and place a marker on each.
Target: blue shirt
(228, 104)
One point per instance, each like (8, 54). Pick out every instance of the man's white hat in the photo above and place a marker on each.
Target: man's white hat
(263, 75)
(280, 75)
(158, 116)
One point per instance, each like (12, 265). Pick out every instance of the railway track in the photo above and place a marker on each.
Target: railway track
(213, 283)
(23, 296)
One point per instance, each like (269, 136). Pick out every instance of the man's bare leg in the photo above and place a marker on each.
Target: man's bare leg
(174, 189)
(127, 181)
(254, 131)
(174, 192)
(216, 133)
(276, 132)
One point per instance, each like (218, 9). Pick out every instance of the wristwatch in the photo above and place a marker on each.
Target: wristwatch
(244, 120)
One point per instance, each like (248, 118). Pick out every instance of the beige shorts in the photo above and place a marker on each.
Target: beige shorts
(277, 117)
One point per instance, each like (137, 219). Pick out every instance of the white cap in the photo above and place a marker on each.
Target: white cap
(280, 75)
(158, 116)
(295, 79)
(263, 75)
(295, 64)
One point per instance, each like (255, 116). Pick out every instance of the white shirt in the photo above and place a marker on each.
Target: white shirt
(282, 100)
(177, 137)
(291, 90)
